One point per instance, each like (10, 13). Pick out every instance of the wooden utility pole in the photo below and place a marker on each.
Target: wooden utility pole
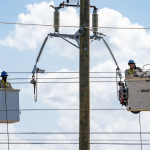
(84, 127)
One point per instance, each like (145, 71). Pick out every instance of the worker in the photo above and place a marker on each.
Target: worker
(131, 70)
(3, 82)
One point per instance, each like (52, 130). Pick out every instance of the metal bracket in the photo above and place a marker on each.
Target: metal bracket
(75, 37)
(79, 33)
(67, 40)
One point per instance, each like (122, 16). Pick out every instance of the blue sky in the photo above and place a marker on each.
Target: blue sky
(19, 46)
(135, 10)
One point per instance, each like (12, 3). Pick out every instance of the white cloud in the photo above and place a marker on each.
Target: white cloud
(102, 96)
(126, 44)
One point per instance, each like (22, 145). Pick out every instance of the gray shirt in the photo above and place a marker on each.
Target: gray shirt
(8, 86)
(127, 72)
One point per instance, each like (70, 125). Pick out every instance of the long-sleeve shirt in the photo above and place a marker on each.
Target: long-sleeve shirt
(7, 85)
(130, 72)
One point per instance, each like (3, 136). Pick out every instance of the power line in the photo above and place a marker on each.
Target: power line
(31, 24)
(81, 143)
(7, 118)
(68, 72)
(60, 109)
(59, 72)
(114, 133)
(57, 82)
(76, 82)
(58, 78)
(73, 140)
(140, 130)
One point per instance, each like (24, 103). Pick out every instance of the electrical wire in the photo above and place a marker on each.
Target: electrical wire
(60, 82)
(140, 130)
(144, 66)
(57, 133)
(31, 24)
(73, 140)
(61, 78)
(81, 143)
(65, 72)
(77, 82)
(61, 109)
(6, 117)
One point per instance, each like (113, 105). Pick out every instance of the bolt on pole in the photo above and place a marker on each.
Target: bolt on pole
(84, 121)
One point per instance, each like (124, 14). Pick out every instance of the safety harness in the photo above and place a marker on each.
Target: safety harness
(5, 83)
(131, 72)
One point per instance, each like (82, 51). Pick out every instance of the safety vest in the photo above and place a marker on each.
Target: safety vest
(5, 83)
(131, 72)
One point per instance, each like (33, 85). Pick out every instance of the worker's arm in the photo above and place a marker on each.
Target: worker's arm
(126, 72)
(9, 85)
(1, 84)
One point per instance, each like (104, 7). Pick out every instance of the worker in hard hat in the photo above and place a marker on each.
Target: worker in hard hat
(132, 69)
(3, 82)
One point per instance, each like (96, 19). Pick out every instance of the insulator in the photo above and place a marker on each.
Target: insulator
(56, 19)
(95, 21)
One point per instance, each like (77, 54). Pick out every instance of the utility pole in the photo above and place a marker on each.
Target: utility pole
(84, 123)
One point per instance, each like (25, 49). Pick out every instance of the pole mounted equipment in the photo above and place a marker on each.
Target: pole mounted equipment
(79, 32)
(56, 19)
(95, 20)
(37, 70)
(77, 36)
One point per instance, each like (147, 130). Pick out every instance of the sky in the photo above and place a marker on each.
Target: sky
(19, 47)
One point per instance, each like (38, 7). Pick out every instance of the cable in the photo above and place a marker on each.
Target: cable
(82, 143)
(144, 66)
(117, 86)
(60, 82)
(77, 82)
(6, 117)
(140, 130)
(64, 72)
(60, 109)
(56, 133)
(72, 26)
(59, 78)
(36, 88)
(72, 140)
